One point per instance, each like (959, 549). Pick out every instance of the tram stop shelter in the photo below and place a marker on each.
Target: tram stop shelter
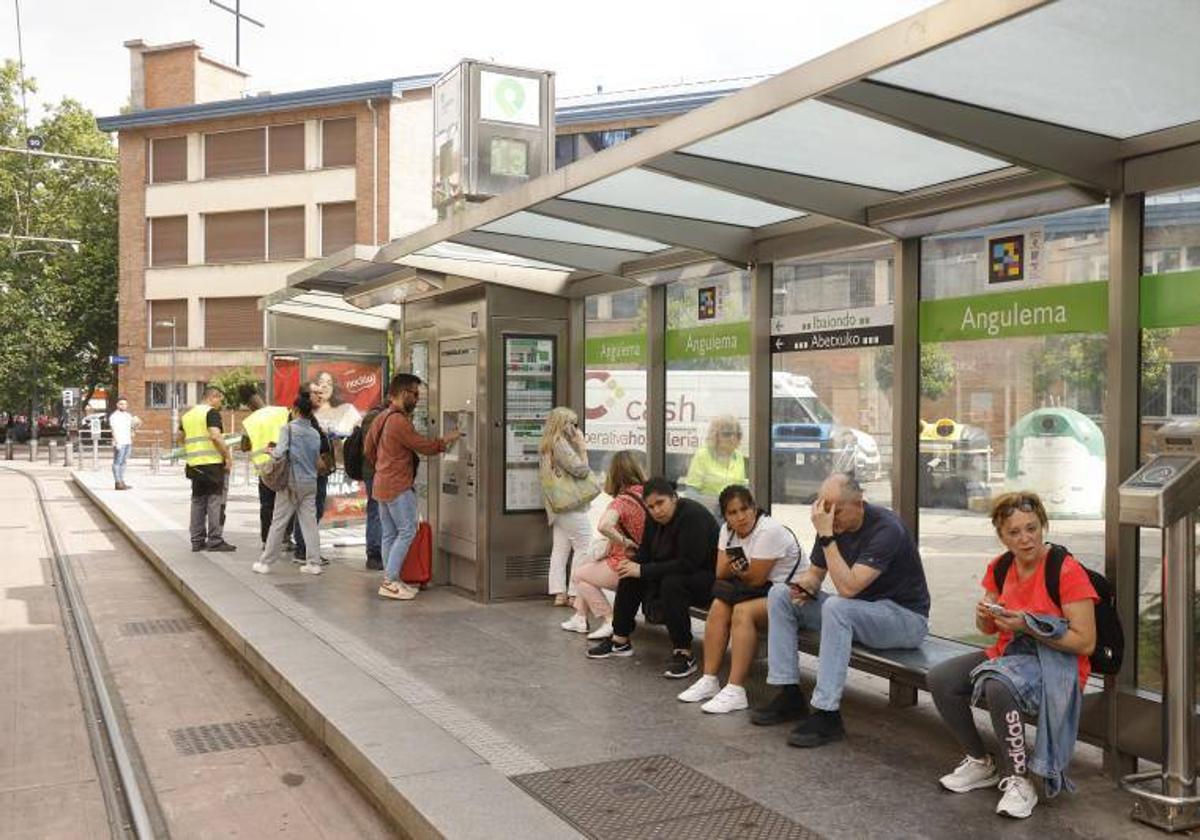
(963, 117)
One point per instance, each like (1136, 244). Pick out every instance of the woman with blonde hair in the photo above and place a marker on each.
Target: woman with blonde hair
(567, 489)
(621, 527)
(718, 463)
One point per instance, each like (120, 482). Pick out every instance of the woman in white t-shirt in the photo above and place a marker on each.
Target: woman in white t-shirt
(753, 552)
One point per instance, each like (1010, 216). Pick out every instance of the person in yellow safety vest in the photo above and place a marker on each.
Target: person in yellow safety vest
(209, 462)
(262, 429)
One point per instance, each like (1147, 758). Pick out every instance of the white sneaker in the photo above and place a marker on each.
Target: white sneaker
(397, 591)
(604, 631)
(1019, 797)
(732, 698)
(704, 688)
(311, 568)
(971, 774)
(261, 567)
(575, 624)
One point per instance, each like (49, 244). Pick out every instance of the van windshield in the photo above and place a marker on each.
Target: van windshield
(799, 410)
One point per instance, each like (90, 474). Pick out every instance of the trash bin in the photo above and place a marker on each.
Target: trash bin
(1058, 453)
(955, 465)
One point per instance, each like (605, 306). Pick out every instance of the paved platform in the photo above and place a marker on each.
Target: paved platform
(435, 704)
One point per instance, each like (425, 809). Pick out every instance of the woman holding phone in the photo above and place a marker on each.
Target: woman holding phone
(1040, 654)
(568, 488)
(753, 552)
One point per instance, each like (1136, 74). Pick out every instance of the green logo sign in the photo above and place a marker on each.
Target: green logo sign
(1078, 308)
(1170, 300)
(605, 350)
(510, 97)
(708, 342)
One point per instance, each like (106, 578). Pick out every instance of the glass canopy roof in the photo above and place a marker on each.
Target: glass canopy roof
(963, 105)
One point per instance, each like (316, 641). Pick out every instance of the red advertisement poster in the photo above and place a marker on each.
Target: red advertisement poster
(358, 382)
(285, 380)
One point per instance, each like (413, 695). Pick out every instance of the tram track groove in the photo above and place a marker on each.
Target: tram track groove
(119, 770)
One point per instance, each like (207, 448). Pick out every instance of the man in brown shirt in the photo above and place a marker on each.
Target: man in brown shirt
(391, 446)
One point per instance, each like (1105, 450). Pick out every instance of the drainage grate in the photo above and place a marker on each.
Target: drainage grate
(235, 735)
(654, 797)
(158, 626)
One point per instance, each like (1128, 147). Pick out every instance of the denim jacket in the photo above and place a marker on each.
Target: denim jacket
(1044, 682)
(302, 443)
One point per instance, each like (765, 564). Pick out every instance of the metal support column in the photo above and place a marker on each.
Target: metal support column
(576, 362)
(906, 387)
(1121, 446)
(1179, 661)
(656, 378)
(760, 381)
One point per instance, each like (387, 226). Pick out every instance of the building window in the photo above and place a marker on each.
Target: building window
(337, 142)
(162, 313)
(285, 233)
(286, 151)
(235, 153)
(235, 237)
(337, 227)
(168, 160)
(158, 394)
(233, 323)
(168, 241)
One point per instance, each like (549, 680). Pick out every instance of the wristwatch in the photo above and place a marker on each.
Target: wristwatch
(825, 541)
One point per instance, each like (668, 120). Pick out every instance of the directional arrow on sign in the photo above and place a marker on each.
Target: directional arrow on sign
(779, 344)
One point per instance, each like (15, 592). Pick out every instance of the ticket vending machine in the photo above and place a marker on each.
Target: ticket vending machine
(1165, 494)
(496, 366)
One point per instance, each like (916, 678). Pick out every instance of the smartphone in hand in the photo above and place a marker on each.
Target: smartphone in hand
(737, 558)
(996, 609)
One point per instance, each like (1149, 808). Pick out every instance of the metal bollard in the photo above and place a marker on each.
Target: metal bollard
(32, 450)
(154, 457)
(8, 449)
(52, 451)
(95, 453)
(67, 453)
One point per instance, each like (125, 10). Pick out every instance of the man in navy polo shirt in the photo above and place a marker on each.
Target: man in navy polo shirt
(881, 601)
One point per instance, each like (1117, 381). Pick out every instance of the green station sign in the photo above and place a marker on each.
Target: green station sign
(708, 342)
(1046, 310)
(1170, 300)
(620, 349)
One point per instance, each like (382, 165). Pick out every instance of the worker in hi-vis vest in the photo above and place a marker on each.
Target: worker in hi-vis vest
(260, 433)
(209, 462)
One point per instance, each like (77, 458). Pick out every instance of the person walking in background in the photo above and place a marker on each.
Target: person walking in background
(300, 443)
(209, 462)
(262, 428)
(568, 487)
(374, 526)
(392, 446)
(621, 527)
(123, 425)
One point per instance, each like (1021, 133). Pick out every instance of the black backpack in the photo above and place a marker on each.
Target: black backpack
(1110, 637)
(352, 454)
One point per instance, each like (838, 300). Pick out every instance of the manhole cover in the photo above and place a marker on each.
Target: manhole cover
(655, 797)
(235, 735)
(158, 626)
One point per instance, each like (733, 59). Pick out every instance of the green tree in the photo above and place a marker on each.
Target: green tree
(1079, 362)
(937, 370)
(58, 304)
(237, 384)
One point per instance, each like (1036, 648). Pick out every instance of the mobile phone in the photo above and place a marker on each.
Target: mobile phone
(996, 609)
(737, 557)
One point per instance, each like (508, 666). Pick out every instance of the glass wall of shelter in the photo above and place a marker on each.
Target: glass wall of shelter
(1013, 336)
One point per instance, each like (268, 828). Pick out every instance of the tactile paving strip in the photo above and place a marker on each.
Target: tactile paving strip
(235, 735)
(158, 626)
(654, 797)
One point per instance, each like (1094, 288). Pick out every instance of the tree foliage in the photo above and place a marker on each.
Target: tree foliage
(1079, 363)
(937, 370)
(58, 304)
(237, 384)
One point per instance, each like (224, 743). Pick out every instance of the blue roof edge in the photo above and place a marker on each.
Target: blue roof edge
(566, 115)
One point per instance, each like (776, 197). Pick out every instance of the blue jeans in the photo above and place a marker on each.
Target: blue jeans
(120, 457)
(374, 526)
(841, 622)
(399, 520)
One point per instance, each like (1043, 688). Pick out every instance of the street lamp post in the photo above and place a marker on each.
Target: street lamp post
(174, 386)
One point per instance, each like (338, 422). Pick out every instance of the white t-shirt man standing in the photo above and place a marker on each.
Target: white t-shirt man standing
(122, 424)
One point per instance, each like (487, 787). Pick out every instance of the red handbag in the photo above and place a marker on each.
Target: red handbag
(417, 569)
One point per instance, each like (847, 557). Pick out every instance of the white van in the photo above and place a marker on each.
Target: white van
(807, 442)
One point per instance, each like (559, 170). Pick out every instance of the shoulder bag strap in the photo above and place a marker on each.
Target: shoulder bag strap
(1000, 571)
(1054, 564)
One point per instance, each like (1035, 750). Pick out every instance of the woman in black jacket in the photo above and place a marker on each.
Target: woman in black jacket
(673, 569)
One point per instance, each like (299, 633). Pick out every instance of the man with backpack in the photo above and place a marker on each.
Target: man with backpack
(360, 469)
(392, 445)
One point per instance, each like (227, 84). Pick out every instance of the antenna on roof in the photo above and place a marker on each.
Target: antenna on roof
(238, 17)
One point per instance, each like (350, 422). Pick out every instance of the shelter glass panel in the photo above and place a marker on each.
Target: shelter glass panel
(1013, 323)
(832, 363)
(1170, 373)
(707, 407)
(615, 374)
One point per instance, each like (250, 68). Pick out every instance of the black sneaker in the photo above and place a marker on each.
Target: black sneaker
(680, 665)
(789, 704)
(221, 546)
(375, 564)
(820, 728)
(199, 547)
(607, 647)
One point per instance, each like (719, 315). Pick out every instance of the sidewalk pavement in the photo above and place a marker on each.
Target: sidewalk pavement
(434, 704)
